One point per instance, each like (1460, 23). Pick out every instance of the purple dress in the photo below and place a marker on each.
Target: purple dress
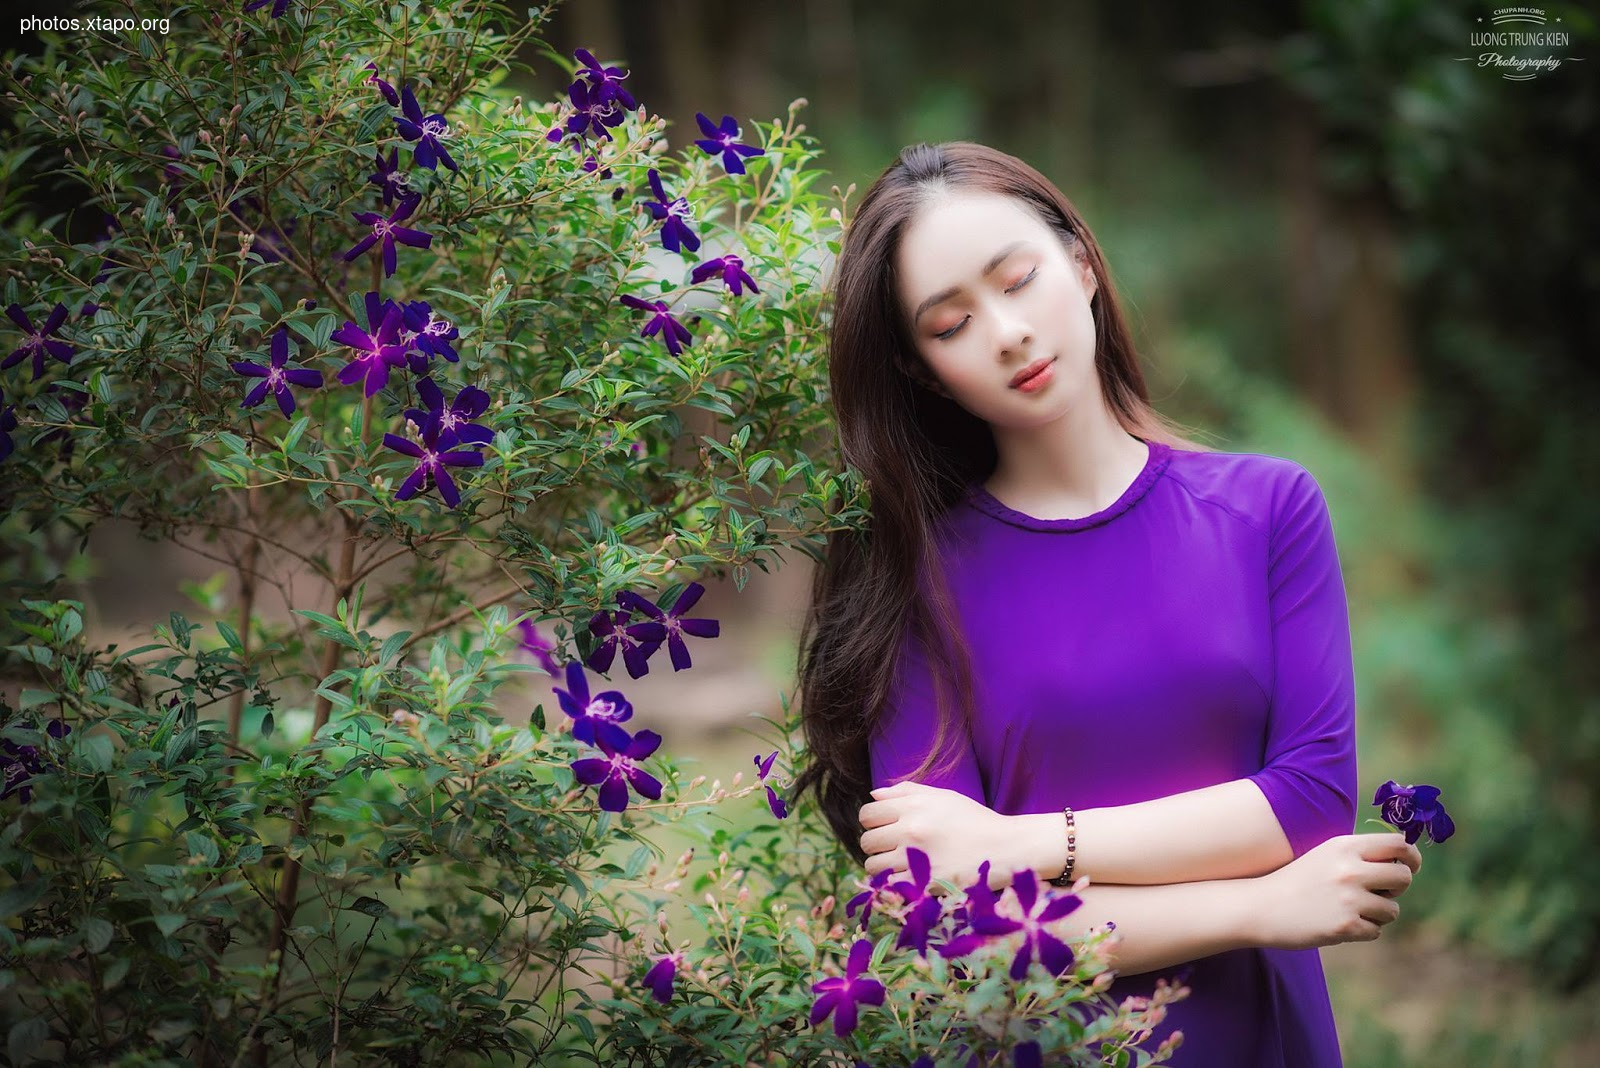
(1193, 632)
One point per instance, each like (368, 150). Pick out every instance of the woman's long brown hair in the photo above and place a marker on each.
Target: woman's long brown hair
(917, 451)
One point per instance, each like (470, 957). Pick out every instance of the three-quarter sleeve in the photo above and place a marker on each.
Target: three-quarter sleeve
(908, 727)
(1309, 768)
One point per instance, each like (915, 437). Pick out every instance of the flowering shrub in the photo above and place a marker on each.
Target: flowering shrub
(907, 973)
(349, 826)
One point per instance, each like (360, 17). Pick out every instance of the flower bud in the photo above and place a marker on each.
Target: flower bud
(742, 896)
(671, 886)
(722, 859)
(738, 777)
(204, 137)
(661, 921)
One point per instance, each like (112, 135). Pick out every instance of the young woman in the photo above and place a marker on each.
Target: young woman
(1067, 617)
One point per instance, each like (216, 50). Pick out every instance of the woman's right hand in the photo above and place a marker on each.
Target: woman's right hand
(1339, 891)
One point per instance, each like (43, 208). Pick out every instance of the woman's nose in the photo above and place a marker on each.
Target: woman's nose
(1013, 334)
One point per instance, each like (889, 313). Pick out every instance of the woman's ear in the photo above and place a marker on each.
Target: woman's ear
(929, 382)
(924, 377)
(1086, 274)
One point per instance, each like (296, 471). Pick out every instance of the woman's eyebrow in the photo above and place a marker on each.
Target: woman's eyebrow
(988, 268)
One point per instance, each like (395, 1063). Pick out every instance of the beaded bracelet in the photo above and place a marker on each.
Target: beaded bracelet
(1065, 878)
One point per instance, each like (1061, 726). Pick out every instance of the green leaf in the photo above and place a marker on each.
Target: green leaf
(292, 438)
(203, 847)
(391, 646)
(27, 1037)
(97, 934)
(68, 626)
(371, 906)
(20, 897)
(98, 752)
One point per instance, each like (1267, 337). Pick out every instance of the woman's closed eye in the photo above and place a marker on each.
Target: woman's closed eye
(945, 335)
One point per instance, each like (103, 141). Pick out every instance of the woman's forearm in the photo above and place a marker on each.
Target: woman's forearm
(1227, 831)
(1163, 926)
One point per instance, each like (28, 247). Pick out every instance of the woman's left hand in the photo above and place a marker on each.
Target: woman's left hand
(956, 832)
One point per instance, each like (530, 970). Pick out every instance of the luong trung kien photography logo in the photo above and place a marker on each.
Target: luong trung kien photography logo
(1519, 43)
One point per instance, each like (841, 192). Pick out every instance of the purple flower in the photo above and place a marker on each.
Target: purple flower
(662, 972)
(1027, 1055)
(389, 95)
(676, 626)
(537, 644)
(922, 908)
(724, 139)
(618, 770)
(429, 333)
(730, 267)
(987, 925)
(591, 115)
(774, 802)
(868, 897)
(675, 231)
(594, 717)
(386, 231)
(8, 423)
(38, 343)
(977, 900)
(1415, 810)
(434, 456)
(279, 7)
(278, 378)
(605, 81)
(455, 419)
(636, 640)
(379, 350)
(840, 995)
(394, 183)
(21, 763)
(672, 332)
(427, 132)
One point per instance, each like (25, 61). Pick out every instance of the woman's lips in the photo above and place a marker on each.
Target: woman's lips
(1033, 374)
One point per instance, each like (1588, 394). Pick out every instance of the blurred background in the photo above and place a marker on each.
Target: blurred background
(1339, 242)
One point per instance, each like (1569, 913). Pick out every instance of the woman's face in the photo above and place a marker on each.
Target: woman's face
(987, 291)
